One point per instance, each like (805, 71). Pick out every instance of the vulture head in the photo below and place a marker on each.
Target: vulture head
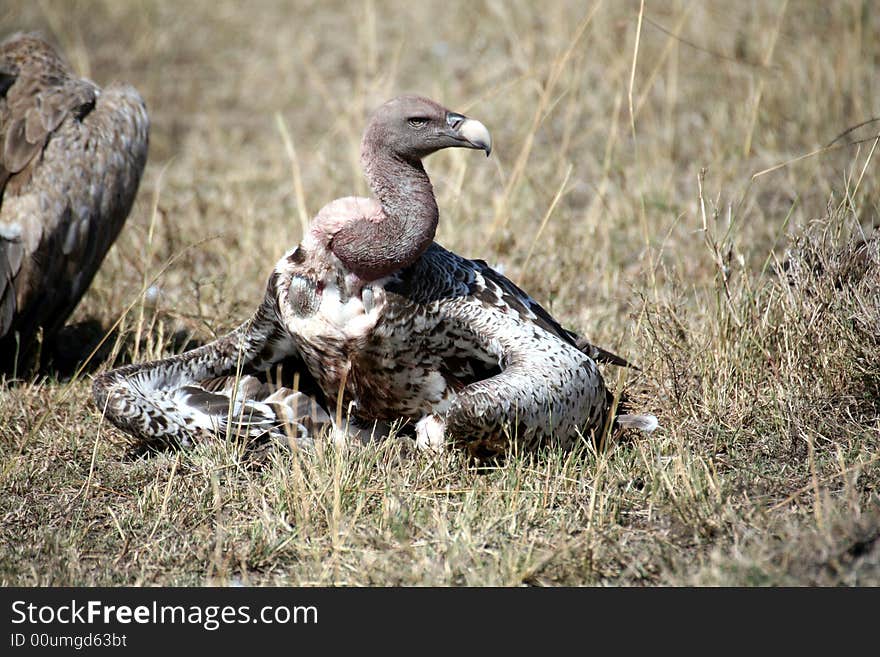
(375, 237)
(413, 127)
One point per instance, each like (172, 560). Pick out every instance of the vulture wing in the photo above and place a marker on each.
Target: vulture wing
(249, 385)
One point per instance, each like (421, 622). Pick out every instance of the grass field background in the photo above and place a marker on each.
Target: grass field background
(660, 181)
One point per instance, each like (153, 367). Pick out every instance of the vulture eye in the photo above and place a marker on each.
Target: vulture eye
(418, 121)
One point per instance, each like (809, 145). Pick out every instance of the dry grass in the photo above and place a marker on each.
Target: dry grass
(746, 299)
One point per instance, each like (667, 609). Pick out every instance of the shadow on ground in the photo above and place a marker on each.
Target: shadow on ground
(82, 348)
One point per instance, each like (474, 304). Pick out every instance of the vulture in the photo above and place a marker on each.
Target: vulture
(369, 324)
(71, 158)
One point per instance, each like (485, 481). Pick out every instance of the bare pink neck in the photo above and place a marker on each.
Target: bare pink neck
(378, 247)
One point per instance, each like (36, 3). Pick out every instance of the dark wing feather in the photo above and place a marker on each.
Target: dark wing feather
(599, 354)
(251, 384)
(531, 310)
(543, 384)
(441, 274)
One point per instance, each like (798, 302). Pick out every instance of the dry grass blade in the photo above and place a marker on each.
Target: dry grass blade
(544, 101)
(632, 75)
(547, 215)
(296, 174)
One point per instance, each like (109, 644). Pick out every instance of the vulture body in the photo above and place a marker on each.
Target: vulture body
(71, 158)
(369, 316)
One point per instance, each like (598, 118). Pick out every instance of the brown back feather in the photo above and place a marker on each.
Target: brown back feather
(71, 159)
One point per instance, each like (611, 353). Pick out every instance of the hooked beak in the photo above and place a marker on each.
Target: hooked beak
(470, 131)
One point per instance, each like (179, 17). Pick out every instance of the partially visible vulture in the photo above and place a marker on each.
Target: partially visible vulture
(71, 158)
(370, 317)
